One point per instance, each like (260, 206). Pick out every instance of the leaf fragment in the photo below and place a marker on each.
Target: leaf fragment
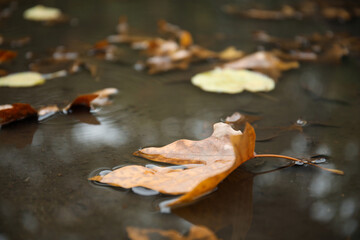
(232, 81)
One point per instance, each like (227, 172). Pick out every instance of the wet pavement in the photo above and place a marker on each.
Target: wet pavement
(44, 190)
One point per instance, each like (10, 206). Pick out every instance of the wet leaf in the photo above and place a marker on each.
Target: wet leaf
(15, 112)
(261, 60)
(18, 111)
(42, 13)
(232, 81)
(92, 100)
(231, 53)
(214, 158)
(7, 55)
(195, 233)
(22, 79)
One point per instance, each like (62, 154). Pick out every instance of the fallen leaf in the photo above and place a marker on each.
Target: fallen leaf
(15, 112)
(261, 60)
(92, 100)
(18, 111)
(22, 79)
(42, 13)
(7, 55)
(231, 53)
(214, 158)
(232, 81)
(195, 233)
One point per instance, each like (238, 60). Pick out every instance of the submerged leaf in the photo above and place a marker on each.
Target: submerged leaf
(214, 158)
(22, 79)
(232, 81)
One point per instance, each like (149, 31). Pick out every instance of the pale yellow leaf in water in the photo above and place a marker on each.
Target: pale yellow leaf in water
(22, 79)
(42, 13)
(232, 81)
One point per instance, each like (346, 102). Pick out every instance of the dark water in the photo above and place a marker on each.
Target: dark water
(44, 167)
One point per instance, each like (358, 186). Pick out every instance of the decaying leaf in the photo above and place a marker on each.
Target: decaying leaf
(195, 233)
(42, 13)
(232, 81)
(22, 79)
(15, 112)
(214, 158)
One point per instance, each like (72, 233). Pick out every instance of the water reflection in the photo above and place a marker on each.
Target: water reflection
(18, 134)
(322, 212)
(97, 135)
(227, 211)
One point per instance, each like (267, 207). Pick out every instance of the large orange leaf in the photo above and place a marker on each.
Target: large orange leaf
(207, 163)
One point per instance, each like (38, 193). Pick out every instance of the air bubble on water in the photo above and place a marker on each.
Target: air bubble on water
(164, 208)
(144, 191)
(301, 122)
(104, 172)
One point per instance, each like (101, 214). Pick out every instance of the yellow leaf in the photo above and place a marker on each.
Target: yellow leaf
(22, 79)
(232, 81)
(42, 13)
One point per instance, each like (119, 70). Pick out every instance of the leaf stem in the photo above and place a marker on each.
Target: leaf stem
(299, 160)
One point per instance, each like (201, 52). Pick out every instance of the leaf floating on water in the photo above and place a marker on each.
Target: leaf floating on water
(231, 53)
(15, 112)
(92, 100)
(22, 79)
(42, 13)
(46, 112)
(232, 81)
(7, 55)
(18, 111)
(214, 158)
(237, 120)
(195, 233)
(261, 60)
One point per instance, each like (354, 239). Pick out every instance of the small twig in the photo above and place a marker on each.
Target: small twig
(299, 160)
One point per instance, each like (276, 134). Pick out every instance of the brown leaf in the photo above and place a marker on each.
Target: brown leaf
(15, 112)
(261, 61)
(214, 156)
(19, 111)
(195, 233)
(92, 100)
(7, 55)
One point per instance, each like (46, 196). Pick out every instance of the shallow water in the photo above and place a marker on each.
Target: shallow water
(44, 190)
